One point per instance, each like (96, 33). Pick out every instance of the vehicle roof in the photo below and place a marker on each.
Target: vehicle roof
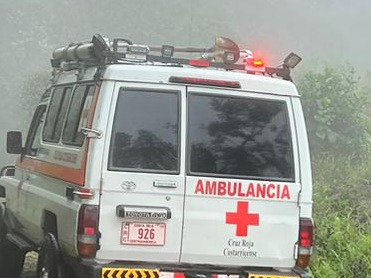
(156, 74)
(162, 73)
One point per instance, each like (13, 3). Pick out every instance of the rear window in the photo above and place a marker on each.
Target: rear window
(146, 132)
(242, 137)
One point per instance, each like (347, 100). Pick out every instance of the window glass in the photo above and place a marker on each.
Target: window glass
(56, 114)
(145, 131)
(240, 137)
(71, 133)
(33, 142)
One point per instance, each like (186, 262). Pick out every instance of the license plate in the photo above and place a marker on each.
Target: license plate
(143, 233)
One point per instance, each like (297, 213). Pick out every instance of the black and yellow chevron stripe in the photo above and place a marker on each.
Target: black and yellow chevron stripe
(129, 273)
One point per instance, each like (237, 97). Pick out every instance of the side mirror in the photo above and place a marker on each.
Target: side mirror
(14, 142)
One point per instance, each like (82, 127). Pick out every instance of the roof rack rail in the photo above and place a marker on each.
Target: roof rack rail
(225, 54)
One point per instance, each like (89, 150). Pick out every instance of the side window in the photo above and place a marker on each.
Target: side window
(33, 142)
(56, 114)
(145, 134)
(77, 115)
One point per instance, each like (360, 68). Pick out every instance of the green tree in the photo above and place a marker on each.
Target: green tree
(334, 105)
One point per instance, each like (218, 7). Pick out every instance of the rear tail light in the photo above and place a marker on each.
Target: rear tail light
(87, 231)
(306, 242)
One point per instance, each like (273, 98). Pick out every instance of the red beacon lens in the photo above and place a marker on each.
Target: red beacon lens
(258, 63)
(254, 65)
(255, 62)
(199, 63)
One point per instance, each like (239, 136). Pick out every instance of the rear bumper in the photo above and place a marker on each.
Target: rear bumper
(117, 270)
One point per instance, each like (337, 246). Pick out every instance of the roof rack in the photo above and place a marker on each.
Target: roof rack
(225, 54)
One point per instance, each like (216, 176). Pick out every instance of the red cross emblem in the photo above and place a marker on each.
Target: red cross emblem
(242, 219)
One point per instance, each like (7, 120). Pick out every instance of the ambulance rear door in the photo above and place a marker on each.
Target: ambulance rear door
(142, 195)
(241, 200)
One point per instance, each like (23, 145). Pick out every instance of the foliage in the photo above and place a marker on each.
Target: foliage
(342, 213)
(334, 107)
(343, 249)
(344, 188)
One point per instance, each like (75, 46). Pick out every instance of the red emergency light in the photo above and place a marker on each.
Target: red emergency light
(255, 62)
(200, 63)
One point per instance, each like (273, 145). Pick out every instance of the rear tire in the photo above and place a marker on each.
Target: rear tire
(49, 263)
(11, 257)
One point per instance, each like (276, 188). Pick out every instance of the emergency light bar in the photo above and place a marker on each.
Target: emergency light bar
(225, 54)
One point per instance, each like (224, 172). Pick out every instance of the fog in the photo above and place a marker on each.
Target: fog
(320, 31)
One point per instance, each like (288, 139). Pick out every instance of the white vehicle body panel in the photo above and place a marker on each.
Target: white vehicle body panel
(252, 83)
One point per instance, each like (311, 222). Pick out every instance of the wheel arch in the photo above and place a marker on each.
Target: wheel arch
(49, 223)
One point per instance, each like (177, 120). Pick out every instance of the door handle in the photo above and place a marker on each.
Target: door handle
(71, 192)
(165, 184)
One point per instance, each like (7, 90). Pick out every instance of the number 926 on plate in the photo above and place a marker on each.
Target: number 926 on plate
(138, 233)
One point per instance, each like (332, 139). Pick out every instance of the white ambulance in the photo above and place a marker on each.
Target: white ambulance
(146, 161)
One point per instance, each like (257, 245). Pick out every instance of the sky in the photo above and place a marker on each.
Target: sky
(330, 32)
